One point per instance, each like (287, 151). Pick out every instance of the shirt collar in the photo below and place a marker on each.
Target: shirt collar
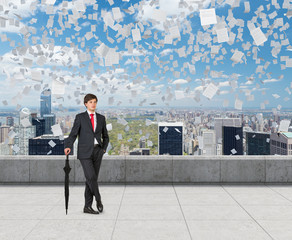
(90, 113)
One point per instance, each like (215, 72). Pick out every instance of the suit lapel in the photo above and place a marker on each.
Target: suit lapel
(88, 120)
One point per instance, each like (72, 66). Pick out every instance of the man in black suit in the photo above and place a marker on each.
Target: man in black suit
(89, 126)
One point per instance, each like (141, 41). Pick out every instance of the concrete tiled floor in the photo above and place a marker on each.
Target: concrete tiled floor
(151, 212)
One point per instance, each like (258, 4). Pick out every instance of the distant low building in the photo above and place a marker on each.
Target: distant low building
(281, 143)
(140, 151)
(47, 145)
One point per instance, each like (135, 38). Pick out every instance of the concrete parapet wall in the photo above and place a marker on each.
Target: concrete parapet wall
(151, 169)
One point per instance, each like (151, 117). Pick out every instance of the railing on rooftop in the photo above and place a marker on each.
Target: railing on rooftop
(151, 169)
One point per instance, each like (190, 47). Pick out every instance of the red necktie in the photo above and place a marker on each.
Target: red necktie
(92, 120)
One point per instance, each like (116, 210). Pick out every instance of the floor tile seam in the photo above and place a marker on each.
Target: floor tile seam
(185, 221)
(117, 216)
(38, 223)
(51, 219)
(280, 194)
(249, 214)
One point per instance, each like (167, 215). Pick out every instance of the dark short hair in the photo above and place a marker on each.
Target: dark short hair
(89, 97)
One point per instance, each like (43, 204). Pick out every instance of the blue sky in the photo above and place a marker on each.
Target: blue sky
(256, 80)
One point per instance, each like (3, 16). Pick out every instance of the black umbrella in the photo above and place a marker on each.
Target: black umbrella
(67, 170)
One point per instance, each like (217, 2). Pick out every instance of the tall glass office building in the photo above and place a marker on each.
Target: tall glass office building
(257, 143)
(45, 102)
(232, 141)
(170, 138)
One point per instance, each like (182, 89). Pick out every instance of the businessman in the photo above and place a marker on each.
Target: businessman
(90, 127)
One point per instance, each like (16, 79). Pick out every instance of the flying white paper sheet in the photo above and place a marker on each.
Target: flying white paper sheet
(12, 134)
(174, 32)
(122, 121)
(15, 148)
(236, 57)
(136, 35)
(238, 104)
(109, 127)
(58, 87)
(117, 13)
(52, 143)
(208, 16)
(120, 137)
(222, 35)
(210, 91)
(246, 7)
(258, 36)
(56, 129)
(284, 125)
(148, 122)
(233, 151)
(36, 76)
(149, 143)
(25, 122)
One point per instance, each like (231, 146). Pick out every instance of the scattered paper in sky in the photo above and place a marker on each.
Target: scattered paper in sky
(136, 35)
(222, 35)
(284, 125)
(208, 16)
(56, 129)
(109, 127)
(210, 91)
(258, 36)
(52, 143)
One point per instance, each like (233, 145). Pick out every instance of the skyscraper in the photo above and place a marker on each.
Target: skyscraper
(257, 143)
(209, 143)
(39, 123)
(232, 141)
(170, 138)
(45, 102)
(227, 122)
(10, 121)
(50, 120)
(218, 127)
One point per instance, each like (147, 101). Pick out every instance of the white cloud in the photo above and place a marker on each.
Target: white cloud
(199, 88)
(58, 56)
(136, 52)
(85, 24)
(131, 61)
(224, 84)
(224, 92)
(271, 80)
(166, 52)
(180, 81)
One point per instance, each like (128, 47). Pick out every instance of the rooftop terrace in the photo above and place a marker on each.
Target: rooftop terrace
(144, 212)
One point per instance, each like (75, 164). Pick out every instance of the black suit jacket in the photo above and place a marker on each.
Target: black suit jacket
(83, 129)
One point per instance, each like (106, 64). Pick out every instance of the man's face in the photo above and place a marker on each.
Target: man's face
(91, 105)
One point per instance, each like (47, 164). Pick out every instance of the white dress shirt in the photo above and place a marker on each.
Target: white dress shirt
(94, 117)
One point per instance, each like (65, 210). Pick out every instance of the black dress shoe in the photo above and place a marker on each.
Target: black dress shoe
(99, 206)
(90, 210)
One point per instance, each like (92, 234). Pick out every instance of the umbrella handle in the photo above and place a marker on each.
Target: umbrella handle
(67, 157)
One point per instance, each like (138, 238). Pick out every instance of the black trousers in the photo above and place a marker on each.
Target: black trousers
(91, 168)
